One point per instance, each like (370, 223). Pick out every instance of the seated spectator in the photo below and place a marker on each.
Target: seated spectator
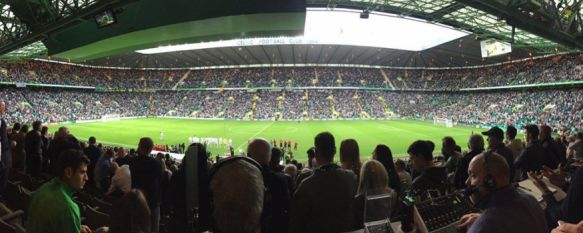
(52, 209)
(130, 214)
(431, 178)
(448, 150)
(323, 201)
(383, 154)
(513, 143)
(275, 209)
(373, 181)
(476, 146)
(350, 156)
(238, 196)
(496, 144)
(404, 176)
(532, 157)
(503, 208)
(568, 209)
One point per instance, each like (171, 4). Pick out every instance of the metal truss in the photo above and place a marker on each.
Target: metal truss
(457, 14)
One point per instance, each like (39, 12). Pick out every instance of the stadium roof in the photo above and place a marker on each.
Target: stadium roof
(463, 50)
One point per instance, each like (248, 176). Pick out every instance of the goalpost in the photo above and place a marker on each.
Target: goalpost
(443, 121)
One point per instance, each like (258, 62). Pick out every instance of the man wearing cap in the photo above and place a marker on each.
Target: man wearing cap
(496, 144)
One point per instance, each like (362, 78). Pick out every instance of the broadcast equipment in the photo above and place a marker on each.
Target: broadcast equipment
(442, 214)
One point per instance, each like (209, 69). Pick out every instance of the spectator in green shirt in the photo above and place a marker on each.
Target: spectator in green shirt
(52, 209)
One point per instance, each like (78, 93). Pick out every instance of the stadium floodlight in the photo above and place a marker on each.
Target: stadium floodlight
(380, 30)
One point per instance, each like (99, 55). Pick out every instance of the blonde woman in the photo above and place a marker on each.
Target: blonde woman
(373, 181)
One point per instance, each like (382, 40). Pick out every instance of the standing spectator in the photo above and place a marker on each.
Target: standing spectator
(52, 209)
(476, 146)
(383, 154)
(147, 176)
(19, 153)
(276, 209)
(5, 152)
(532, 158)
(308, 171)
(350, 156)
(33, 146)
(63, 141)
(373, 181)
(432, 178)
(323, 201)
(103, 171)
(44, 133)
(238, 193)
(94, 154)
(122, 158)
(496, 144)
(577, 146)
(555, 152)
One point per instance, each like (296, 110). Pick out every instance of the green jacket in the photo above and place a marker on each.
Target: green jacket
(52, 210)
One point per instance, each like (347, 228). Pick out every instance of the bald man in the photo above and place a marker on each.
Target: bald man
(276, 205)
(503, 208)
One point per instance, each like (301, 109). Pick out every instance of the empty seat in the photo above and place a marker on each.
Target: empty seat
(95, 219)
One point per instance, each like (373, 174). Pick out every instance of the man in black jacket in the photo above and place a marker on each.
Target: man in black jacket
(555, 152)
(5, 153)
(496, 144)
(33, 145)
(532, 157)
(323, 201)
(93, 153)
(276, 206)
(476, 146)
(147, 176)
(431, 178)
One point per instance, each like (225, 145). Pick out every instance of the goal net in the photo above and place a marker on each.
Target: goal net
(443, 121)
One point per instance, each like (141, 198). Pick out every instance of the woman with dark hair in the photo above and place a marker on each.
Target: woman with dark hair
(131, 215)
(350, 156)
(383, 154)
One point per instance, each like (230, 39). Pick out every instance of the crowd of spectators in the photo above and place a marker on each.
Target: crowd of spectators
(560, 108)
(88, 187)
(544, 70)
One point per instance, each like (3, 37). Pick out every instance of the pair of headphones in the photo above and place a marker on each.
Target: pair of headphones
(489, 181)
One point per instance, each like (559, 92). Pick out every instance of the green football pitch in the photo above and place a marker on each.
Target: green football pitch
(397, 134)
